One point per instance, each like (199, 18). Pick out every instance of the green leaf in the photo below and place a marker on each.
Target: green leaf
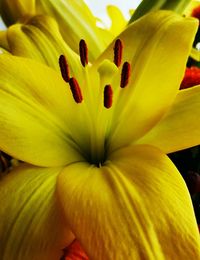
(153, 5)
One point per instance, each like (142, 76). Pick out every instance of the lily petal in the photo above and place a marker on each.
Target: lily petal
(133, 207)
(36, 107)
(76, 22)
(156, 52)
(32, 225)
(3, 40)
(12, 11)
(40, 39)
(179, 129)
(118, 22)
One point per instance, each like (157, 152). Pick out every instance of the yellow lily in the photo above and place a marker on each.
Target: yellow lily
(74, 18)
(98, 148)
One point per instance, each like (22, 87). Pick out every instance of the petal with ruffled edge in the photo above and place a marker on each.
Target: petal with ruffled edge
(157, 47)
(179, 129)
(133, 207)
(118, 21)
(32, 225)
(39, 120)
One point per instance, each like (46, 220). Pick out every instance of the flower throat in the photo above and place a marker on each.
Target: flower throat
(96, 157)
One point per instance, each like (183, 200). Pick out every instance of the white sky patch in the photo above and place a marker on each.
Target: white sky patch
(99, 8)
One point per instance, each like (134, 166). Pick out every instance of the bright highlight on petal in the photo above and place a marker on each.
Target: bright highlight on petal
(32, 226)
(128, 208)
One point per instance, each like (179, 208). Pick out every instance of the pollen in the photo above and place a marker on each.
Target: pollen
(83, 51)
(118, 47)
(125, 75)
(108, 95)
(75, 89)
(64, 68)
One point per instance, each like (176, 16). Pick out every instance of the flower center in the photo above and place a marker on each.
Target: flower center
(98, 120)
(83, 51)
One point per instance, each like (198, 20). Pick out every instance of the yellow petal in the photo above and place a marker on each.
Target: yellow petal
(32, 225)
(179, 129)
(118, 22)
(3, 40)
(36, 107)
(12, 11)
(39, 39)
(75, 20)
(157, 47)
(133, 207)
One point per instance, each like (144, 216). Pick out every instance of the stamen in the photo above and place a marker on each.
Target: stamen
(83, 51)
(108, 94)
(75, 89)
(64, 68)
(125, 75)
(118, 52)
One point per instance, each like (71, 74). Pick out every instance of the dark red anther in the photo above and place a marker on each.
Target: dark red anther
(108, 94)
(118, 52)
(64, 68)
(125, 75)
(83, 51)
(75, 89)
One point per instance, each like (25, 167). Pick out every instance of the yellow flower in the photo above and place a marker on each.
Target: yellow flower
(98, 149)
(74, 18)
